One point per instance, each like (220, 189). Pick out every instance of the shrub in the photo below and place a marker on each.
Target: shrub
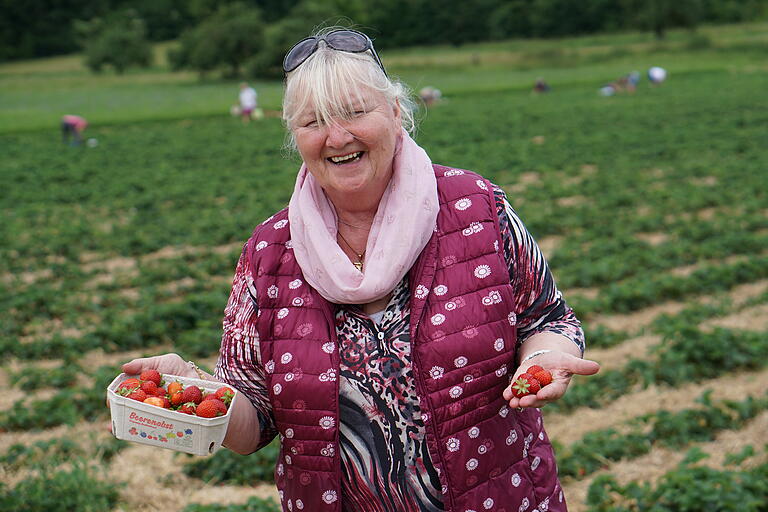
(119, 41)
(223, 42)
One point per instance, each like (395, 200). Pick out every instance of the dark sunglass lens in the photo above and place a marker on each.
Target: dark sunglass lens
(347, 41)
(299, 54)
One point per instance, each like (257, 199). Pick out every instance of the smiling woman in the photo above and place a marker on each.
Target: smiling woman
(375, 323)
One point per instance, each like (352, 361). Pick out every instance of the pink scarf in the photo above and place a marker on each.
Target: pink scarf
(403, 225)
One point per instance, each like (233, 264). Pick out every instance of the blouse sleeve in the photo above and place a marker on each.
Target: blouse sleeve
(539, 305)
(238, 363)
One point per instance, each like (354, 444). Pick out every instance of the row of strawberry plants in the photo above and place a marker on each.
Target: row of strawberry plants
(54, 452)
(689, 487)
(67, 406)
(64, 296)
(687, 355)
(192, 324)
(65, 490)
(227, 467)
(640, 292)
(254, 504)
(674, 430)
(623, 256)
(32, 378)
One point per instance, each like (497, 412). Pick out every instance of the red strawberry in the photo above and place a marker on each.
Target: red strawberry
(154, 400)
(525, 385)
(188, 408)
(177, 398)
(127, 386)
(152, 375)
(193, 394)
(544, 377)
(210, 396)
(137, 395)
(225, 394)
(149, 387)
(211, 408)
(175, 386)
(533, 370)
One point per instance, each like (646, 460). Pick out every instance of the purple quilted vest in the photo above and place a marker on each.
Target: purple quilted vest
(488, 456)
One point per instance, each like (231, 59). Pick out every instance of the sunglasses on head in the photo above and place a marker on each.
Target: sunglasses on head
(344, 40)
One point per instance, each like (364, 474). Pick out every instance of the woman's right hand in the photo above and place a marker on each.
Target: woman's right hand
(167, 363)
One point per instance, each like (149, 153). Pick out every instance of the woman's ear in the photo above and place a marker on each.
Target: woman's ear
(397, 111)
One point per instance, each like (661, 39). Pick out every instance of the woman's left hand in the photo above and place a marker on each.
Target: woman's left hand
(562, 366)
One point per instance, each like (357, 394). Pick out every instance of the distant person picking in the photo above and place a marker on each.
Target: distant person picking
(72, 128)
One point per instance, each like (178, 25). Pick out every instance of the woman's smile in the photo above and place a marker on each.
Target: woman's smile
(348, 158)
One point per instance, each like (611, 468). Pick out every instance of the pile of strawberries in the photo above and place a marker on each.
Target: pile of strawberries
(149, 388)
(530, 382)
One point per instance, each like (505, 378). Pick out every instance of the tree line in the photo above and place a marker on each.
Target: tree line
(249, 36)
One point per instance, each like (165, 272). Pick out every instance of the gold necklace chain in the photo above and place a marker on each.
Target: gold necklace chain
(360, 256)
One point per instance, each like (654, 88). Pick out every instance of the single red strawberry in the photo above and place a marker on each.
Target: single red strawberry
(152, 375)
(177, 398)
(175, 386)
(188, 408)
(225, 394)
(544, 377)
(211, 408)
(525, 385)
(137, 395)
(533, 370)
(210, 396)
(193, 394)
(127, 386)
(149, 387)
(154, 400)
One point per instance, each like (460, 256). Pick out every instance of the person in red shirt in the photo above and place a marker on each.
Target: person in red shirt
(72, 128)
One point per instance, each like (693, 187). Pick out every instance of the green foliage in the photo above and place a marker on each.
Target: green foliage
(32, 378)
(67, 407)
(118, 41)
(223, 42)
(303, 19)
(254, 504)
(689, 488)
(60, 491)
(227, 467)
(674, 430)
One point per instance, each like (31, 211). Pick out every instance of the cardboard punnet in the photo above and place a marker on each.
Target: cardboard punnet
(148, 424)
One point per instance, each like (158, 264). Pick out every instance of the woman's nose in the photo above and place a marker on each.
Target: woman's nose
(337, 135)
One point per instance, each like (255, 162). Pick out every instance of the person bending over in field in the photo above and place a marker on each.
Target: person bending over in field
(376, 323)
(72, 128)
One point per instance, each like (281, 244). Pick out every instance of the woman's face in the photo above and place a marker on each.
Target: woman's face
(350, 156)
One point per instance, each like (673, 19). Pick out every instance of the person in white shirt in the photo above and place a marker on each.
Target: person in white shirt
(247, 101)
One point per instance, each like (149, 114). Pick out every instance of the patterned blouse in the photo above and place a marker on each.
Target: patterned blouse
(386, 466)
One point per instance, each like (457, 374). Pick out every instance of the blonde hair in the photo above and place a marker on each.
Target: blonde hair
(330, 81)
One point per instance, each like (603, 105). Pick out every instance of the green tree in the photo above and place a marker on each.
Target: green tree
(118, 40)
(304, 18)
(224, 42)
(660, 15)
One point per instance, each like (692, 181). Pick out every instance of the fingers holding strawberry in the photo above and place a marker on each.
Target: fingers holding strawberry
(535, 385)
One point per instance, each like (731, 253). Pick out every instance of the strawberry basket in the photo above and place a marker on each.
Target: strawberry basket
(145, 423)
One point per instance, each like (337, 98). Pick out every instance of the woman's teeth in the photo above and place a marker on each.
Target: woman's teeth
(346, 158)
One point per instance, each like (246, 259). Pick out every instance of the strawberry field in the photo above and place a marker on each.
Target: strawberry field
(651, 207)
